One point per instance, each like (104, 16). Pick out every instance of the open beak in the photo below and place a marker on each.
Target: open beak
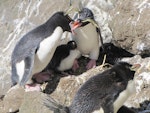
(74, 25)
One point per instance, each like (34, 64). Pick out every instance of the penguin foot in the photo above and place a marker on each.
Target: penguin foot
(32, 87)
(75, 65)
(91, 64)
(41, 77)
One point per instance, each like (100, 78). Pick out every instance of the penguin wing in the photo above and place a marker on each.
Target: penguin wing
(22, 70)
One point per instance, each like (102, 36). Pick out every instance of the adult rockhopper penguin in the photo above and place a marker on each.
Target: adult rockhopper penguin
(105, 92)
(35, 49)
(86, 34)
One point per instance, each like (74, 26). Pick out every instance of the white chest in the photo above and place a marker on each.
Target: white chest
(67, 63)
(124, 96)
(46, 50)
(86, 38)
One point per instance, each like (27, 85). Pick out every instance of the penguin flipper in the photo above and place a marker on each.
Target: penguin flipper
(29, 62)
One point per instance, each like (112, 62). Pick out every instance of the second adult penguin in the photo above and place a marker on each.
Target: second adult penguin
(86, 33)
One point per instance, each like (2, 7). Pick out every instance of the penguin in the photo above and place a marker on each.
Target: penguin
(34, 50)
(64, 56)
(86, 33)
(113, 53)
(105, 92)
(62, 60)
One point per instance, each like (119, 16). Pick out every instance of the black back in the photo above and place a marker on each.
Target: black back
(102, 90)
(113, 53)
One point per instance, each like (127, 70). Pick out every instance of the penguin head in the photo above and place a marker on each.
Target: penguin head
(72, 45)
(61, 19)
(84, 14)
(82, 18)
(127, 69)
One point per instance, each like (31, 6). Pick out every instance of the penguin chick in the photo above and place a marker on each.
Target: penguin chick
(113, 53)
(103, 93)
(86, 33)
(64, 57)
(36, 48)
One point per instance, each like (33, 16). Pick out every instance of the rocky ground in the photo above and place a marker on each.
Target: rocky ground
(125, 23)
(62, 90)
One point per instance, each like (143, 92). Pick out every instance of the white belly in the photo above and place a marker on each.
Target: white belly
(67, 63)
(46, 50)
(124, 96)
(87, 39)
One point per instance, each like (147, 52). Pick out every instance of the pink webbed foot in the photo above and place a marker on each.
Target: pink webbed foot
(91, 64)
(75, 65)
(42, 77)
(32, 87)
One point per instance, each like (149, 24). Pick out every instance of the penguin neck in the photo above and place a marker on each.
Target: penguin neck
(52, 23)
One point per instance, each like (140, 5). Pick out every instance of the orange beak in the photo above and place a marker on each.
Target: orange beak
(74, 25)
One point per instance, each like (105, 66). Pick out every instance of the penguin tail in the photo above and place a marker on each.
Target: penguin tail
(14, 76)
(55, 106)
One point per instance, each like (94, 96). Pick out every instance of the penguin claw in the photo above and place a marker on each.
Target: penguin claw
(91, 64)
(32, 87)
(75, 65)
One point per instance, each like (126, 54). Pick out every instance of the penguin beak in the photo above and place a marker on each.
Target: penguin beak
(74, 25)
(135, 67)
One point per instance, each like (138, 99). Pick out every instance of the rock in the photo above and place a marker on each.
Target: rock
(33, 102)
(130, 25)
(13, 99)
(68, 86)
